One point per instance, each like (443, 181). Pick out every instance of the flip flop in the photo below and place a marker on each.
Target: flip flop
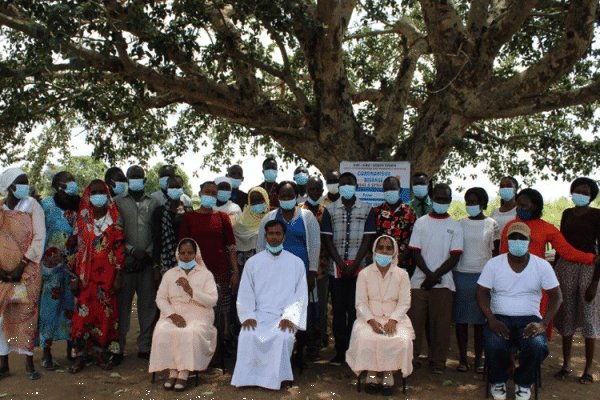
(462, 368)
(50, 365)
(562, 374)
(586, 379)
(76, 368)
(104, 366)
(33, 375)
(180, 385)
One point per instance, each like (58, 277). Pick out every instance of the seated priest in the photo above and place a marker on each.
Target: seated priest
(272, 303)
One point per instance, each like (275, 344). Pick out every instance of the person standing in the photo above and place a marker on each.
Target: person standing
(97, 262)
(332, 181)
(116, 181)
(396, 219)
(436, 244)
(270, 183)
(421, 202)
(347, 229)
(22, 235)
(481, 243)
(580, 226)
(301, 178)
(56, 299)
(235, 173)
(224, 203)
(508, 202)
(136, 209)
(164, 174)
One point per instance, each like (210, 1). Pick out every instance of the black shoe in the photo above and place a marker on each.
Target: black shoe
(372, 388)
(386, 390)
(115, 359)
(337, 360)
(144, 354)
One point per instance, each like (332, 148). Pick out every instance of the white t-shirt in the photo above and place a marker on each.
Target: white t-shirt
(479, 236)
(517, 294)
(503, 218)
(436, 238)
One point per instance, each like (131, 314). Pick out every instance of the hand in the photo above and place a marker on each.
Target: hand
(500, 328)
(287, 324)
(349, 270)
(178, 320)
(377, 328)
(139, 255)
(390, 327)
(116, 284)
(4, 277)
(430, 281)
(75, 285)
(234, 281)
(534, 329)
(156, 275)
(590, 293)
(312, 280)
(185, 285)
(249, 324)
(17, 273)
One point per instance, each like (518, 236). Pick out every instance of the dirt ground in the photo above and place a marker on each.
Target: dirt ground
(131, 381)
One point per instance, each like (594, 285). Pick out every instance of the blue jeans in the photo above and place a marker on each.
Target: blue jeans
(533, 350)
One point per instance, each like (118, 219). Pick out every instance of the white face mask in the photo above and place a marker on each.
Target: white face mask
(333, 188)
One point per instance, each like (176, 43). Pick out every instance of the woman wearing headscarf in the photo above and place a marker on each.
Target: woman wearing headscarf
(97, 265)
(224, 203)
(56, 299)
(580, 226)
(185, 339)
(382, 335)
(22, 234)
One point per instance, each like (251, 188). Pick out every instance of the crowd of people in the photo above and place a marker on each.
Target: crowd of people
(259, 269)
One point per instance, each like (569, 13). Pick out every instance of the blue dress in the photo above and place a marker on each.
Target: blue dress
(295, 238)
(56, 300)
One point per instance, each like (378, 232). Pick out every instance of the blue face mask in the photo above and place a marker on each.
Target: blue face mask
(580, 200)
(21, 191)
(383, 260)
(187, 265)
(224, 195)
(136, 185)
(71, 188)
(347, 191)
(391, 196)
(333, 188)
(274, 249)
(162, 182)
(270, 175)
(235, 183)
(287, 204)
(174, 193)
(473, 211)
(524, 215)
(420, 191)
(301, 178)
(507, 194)
(98, 200)
(208, 201)
(518, 248)
(259, 208)
(440, 208)
(312, 202)
(120, 187)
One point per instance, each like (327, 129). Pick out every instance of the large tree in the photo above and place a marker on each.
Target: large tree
(430, 82)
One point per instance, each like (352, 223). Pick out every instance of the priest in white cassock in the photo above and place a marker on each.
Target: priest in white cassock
(272, 302)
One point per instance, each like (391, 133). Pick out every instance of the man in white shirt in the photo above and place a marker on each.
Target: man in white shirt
(436, 244)
(508, 292)
(272, 303)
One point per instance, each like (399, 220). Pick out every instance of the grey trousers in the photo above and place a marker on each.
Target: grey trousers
(143, 284)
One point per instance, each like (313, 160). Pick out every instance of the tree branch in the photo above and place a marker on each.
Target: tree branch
(477, 19)
(505, 19)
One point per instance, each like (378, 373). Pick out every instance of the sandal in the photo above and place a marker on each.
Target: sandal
(480, 367)
(75, 368)
(170, 383)
(586, 379)
(461, 368)
(437, 370)
(33, 375)
(180, 385)
(104, 366)
(562, 374)
(49, 364)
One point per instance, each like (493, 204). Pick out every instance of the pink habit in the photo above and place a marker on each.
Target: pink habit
(190, 348)
(382, 298)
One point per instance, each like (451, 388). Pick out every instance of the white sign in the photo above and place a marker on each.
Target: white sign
(371, 174)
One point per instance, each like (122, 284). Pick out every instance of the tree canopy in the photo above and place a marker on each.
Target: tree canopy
(434, 82)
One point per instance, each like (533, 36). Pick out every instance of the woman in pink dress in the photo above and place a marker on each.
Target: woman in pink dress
(382, 336)
(184, 339)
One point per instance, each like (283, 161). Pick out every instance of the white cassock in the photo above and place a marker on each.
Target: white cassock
(272, 288)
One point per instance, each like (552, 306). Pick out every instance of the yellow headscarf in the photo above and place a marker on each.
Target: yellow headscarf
(246, 228)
